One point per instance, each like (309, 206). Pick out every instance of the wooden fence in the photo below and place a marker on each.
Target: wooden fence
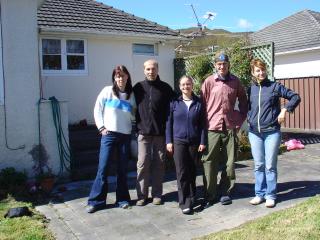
(306, 117)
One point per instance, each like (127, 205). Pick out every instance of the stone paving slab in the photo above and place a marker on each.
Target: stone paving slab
(298, 179)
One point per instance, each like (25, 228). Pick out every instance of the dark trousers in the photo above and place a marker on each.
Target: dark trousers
(185, 158)
(111, 142)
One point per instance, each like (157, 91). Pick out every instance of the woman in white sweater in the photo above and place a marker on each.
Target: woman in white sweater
(113, 114)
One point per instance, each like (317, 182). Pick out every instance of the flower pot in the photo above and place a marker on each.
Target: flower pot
(46, 184)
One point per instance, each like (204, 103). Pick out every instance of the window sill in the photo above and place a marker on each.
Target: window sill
(64, 73)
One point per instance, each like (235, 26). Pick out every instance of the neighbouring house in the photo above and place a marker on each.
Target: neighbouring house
(81, 41)
(26, 123)
(297, 63)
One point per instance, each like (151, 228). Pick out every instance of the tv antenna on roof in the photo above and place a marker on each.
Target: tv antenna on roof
(207, 16)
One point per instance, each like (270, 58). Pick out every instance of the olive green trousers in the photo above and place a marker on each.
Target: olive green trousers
(220, 155)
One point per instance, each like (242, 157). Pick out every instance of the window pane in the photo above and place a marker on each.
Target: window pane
(75, 46)
(51, 62)
(75, 62)
(146, 49)
(51, 46)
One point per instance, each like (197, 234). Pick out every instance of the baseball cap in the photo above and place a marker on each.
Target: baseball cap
(221, 57)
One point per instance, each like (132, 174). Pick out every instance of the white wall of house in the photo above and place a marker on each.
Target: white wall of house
(103, 54)
(19, 109)
(297, 64)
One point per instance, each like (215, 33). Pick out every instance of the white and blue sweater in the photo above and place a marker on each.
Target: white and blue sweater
(114, 114)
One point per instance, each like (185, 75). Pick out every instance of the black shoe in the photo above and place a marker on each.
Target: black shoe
(208, 204)
(225, 200)
(186, 211)
(92, 209)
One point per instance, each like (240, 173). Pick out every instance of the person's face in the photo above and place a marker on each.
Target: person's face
(259, 73)
(121, 80)
(186, 86)
(222, 68)
(150, 71)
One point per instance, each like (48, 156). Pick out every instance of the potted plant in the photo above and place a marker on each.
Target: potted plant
(44, 176)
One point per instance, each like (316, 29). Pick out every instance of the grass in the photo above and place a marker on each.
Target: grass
(22, 228)
(301, 222)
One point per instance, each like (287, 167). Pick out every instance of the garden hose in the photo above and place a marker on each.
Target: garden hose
(63, 146)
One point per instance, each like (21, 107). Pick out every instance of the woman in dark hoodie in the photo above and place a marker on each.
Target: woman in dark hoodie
(264, 119)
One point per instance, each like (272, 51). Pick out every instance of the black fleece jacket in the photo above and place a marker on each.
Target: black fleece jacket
(152, 98)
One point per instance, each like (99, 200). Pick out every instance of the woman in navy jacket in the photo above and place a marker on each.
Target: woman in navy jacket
(264, 119)
(185, 137)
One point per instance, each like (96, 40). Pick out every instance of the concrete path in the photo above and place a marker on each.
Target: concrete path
(299, 178)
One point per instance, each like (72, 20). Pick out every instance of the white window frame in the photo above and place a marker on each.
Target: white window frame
(155, 49)
(64, 70)
(1, 70)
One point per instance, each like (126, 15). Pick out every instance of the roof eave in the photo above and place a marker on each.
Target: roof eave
(297, 51)
(50, 30)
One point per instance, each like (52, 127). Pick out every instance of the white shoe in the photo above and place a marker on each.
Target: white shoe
(270, 203)
(123, 204)
(256, 200)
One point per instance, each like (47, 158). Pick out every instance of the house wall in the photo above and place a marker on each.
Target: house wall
(19, 121)
(295, 65)
(103, 54)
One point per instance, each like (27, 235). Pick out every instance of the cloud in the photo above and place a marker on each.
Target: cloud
(244, 23)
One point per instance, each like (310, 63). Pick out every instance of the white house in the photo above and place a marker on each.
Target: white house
(26, 123)
(81, 41)
(66, 49)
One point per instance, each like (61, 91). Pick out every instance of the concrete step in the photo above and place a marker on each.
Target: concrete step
(85, 146)
(84, 139)
(85, 158)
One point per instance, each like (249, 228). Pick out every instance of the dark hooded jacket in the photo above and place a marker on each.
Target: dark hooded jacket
(264, 105)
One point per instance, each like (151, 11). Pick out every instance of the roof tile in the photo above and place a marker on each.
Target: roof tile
(90, 15)
(296, 32)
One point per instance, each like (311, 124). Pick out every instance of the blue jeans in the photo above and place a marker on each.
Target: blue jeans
(265, 149)
(110, 143)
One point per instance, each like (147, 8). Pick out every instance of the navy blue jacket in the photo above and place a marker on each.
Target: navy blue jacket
(186, 125)
(264, 105)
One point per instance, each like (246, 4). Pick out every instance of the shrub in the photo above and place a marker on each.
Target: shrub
(240, 61)
(11, 181)
(199, 68)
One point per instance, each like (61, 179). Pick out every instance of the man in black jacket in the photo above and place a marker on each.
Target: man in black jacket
(152, 98)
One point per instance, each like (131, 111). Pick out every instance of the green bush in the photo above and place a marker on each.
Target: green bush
(240, 61)
(11, 180)
(199, 68)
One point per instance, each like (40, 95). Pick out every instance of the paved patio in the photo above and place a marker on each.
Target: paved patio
(299, 179)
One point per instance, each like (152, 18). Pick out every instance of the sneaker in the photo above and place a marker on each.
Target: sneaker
(186, 211)
(156, 201)
(141, 202)
(123, 204)
(225, 200)
(256, 200)
(92, 209)
(270, 203)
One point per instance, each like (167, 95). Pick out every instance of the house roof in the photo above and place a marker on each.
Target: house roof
(92, 17)
(296, 32)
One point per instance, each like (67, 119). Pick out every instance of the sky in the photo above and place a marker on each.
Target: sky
(231, 15)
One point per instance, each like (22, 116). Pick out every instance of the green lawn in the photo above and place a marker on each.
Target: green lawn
(22, 228)
(299, 222)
